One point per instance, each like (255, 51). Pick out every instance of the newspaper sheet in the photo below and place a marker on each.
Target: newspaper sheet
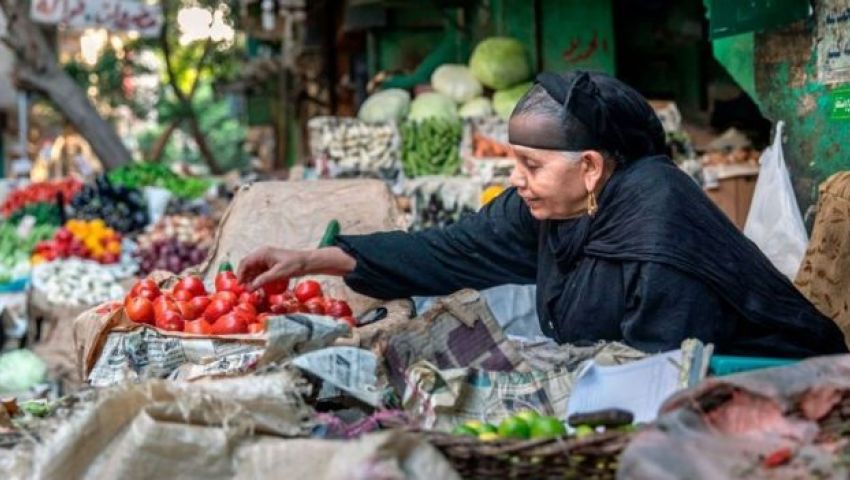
(349, 369)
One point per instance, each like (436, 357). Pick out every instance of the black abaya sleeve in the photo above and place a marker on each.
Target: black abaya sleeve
(498, 245)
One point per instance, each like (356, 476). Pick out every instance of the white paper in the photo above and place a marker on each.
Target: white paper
(639, 387)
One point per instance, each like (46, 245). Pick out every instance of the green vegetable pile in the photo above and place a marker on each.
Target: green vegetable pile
(430, 147)
(147, 174)
(15, 250)
(44, 214)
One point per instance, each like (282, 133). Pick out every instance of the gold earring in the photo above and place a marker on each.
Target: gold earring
(592, 206)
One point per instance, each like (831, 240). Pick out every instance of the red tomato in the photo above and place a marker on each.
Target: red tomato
(228, 283)
(276, 286)
(226, 295)
(149, 294)
(193, 285)
(246, 316)
(162, 304)
(188, 310)
(140, 310)
(229, 324)
(279, 309)
(246, 307)
(351, 321)
(256, 298)
(308, 289)
(256, 328)
(216, 309)
(338, 308)
(170, 320)
(315, 305)
(200, 303)
(143, 283)
(199, 326)
(278, 299)
(183, 295)
(221, 278)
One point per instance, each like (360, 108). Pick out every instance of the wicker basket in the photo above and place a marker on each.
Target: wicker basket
(591, 457)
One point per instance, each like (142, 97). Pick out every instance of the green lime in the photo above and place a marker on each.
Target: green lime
(487, 428)
(528, 415)
(547, 427)
(513, 427)
(473, 424)
(584, 430)
(461, 430)
(488, 436)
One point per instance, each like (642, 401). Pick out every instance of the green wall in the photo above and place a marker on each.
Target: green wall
(574, 33)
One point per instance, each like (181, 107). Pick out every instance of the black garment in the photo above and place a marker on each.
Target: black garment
(657, 264)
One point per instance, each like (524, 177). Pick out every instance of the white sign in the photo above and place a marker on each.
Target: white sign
(113, 15)
(834, 42)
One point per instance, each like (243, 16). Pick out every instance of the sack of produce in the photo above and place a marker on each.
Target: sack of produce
(456, 82)
(354, 145)
(500, 62)
(504, 101)
(430, 147)
(485, 151)
(475, 108)
(432, 105)
(174, 243)
(386, 106)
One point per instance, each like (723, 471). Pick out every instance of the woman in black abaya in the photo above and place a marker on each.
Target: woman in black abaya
(621, 244)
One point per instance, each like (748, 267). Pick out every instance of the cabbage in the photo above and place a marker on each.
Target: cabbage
(20, 370)
(389, 105)
(432, 105)
(477, 107)
(456, 82)
(500, 62)
(504, 101)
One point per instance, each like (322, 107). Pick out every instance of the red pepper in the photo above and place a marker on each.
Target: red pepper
(777, 458)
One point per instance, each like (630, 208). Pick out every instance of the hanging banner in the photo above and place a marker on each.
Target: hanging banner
(112, 15)
(834, 42)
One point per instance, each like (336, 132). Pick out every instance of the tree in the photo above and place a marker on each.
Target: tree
(37, 69)
(187, 67)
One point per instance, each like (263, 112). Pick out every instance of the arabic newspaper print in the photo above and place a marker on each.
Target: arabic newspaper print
(833, 43)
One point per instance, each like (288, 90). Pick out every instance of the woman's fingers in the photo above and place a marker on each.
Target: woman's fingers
(275, 273)
(255, 263)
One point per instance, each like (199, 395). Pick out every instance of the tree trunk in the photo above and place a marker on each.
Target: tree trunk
(38, 69)
(159, 146)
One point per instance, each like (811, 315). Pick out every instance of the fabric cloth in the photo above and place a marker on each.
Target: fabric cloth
(824, 276)
(658, 263)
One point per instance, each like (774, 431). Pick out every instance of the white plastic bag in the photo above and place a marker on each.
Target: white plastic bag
(774, 222)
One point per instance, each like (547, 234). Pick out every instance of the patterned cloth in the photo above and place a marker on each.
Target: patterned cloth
(824, 276)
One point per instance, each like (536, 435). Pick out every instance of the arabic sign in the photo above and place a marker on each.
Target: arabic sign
(113, 15)
(839, 103)
(834, 42)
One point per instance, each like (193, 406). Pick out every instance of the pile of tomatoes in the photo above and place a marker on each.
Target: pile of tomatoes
(231, 309)
(92, 240)
(39, 193)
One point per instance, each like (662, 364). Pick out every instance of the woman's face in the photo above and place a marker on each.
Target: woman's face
(555, 184)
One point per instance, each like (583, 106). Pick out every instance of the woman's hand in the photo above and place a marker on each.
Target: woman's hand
(268, 263)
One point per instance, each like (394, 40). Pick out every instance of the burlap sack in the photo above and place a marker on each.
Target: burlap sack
(161, 429)
(295, 214)
(824, 276)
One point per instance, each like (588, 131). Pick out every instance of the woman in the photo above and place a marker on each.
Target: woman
(621, 244)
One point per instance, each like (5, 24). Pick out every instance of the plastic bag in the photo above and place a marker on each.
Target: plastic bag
(774, 222)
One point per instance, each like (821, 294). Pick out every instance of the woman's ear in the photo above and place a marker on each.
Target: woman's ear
(593, 169)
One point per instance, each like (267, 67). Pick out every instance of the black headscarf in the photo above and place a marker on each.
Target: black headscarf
(600, 113)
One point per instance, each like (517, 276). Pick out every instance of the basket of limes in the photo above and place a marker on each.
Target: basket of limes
(530, 445)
